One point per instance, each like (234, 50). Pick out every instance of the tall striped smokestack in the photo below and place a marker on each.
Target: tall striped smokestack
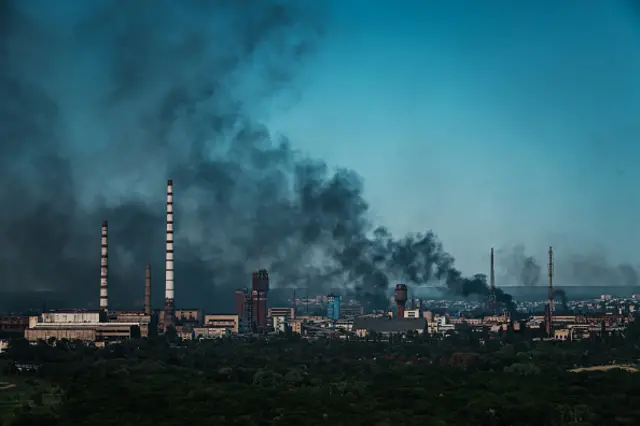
(104, 268)
(147, 289)
(168, 293)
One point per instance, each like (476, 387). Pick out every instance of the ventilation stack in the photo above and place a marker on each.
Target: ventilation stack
(259, 293)
(147, 289)
(401, 299)
(169, 307)
(549, 308)
(104, 268)
(492, 286)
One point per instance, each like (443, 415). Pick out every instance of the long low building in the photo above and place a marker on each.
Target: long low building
(88, 332)
(364, 326)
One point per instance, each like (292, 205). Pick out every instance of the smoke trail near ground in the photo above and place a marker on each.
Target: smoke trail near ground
(561, 297)
(109, 99)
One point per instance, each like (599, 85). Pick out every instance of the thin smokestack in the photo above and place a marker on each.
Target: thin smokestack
(492, 273)
(492, 285)
(168, 295)
(549, 319)
(104, 267)
(147, 290)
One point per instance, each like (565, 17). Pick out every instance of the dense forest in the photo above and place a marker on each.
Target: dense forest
(457, 380)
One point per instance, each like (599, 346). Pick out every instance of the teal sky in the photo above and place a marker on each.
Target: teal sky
(492, 123)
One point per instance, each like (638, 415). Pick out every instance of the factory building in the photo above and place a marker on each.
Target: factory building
(412, 314)
(97, 332)
(107, 325)
(386, 327)
(13, 323)
(333, 307)
(349, 311)
(259, 293)
(243, 305)
(220, 325)
(289, 314)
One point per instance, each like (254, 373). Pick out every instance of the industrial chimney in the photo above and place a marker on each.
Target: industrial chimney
(169, 307)
(401, 299)
(147, 289)
(492, 285)
(104, 268)
(549, 307)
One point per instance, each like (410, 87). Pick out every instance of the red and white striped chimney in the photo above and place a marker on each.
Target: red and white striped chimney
(169, 253)
(168, 293)
(104, 268)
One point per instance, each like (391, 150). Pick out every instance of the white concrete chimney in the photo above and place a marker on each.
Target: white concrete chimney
(169, 246)
(104, 268)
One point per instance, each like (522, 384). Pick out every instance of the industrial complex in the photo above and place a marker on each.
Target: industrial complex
(336, 317)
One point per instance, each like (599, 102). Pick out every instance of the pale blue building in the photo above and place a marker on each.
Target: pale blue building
(333, 307)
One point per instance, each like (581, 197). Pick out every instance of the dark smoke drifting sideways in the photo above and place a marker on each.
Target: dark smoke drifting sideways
(115, 98)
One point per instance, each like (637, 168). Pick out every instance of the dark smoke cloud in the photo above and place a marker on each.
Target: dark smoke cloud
(518, 266)
(116, 97)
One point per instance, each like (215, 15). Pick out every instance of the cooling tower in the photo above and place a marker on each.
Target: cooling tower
(401, 299)
(169, 307)
(104, 268)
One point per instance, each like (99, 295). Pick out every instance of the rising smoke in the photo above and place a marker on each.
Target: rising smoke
(519, 268)
(110, 99)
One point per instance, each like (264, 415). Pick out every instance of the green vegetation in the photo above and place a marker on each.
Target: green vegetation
(289, 381)
(26, 394)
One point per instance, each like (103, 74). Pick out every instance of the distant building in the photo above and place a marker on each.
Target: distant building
(365, 326)
(412, 313)
(244, 305)
(289, 314)
(333, 307)
(87, 332)
(14, 323)
(280, 324)
(351, 310)
(88, 326)
(217, 324)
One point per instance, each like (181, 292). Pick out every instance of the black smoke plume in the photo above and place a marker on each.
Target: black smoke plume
(105, 100)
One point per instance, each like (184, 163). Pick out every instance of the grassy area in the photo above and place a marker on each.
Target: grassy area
(18, 391)
(605, 368)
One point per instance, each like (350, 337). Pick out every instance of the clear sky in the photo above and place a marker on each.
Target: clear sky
(490, 122)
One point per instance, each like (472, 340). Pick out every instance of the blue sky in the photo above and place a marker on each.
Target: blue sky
(492, 123)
